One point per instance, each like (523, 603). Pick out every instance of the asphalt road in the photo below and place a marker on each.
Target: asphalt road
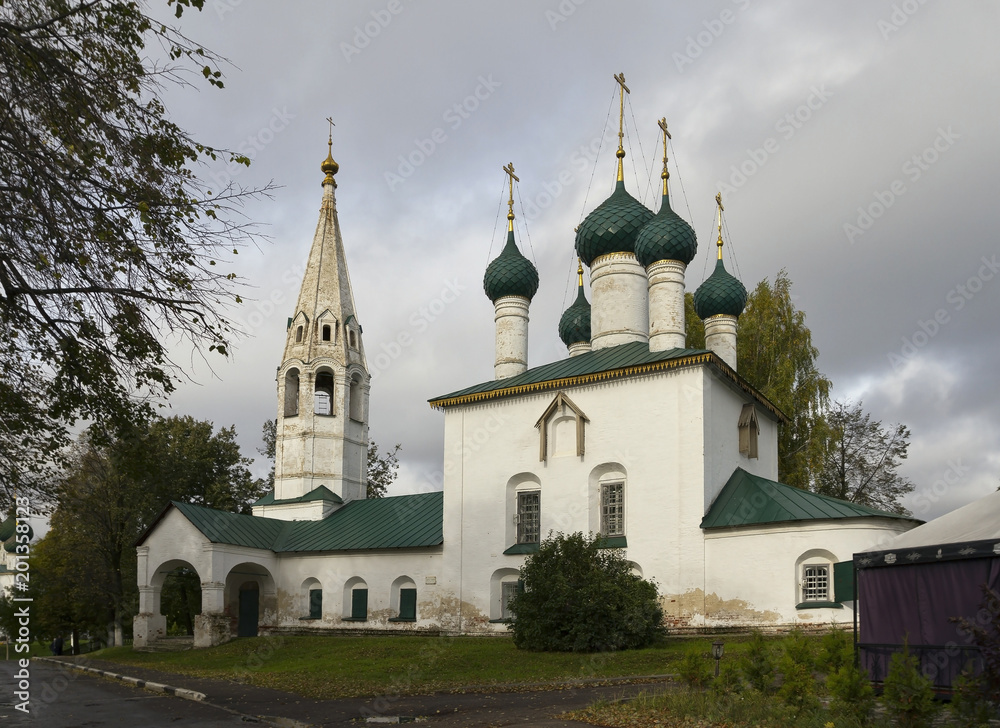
(64, 698)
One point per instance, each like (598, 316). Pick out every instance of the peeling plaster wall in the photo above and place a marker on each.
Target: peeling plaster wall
(758, 565)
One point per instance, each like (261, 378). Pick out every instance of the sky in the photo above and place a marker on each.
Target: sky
(854, 143)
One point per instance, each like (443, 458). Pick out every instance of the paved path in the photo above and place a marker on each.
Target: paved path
(526, 707)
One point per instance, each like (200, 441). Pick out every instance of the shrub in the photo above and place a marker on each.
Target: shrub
(730, 680)
(851, 693)
(579, 597)
(969, 706)
(757, 664)
(907, 695)
(694, 669)
(798, 686)
(984, 633)
(835, 650)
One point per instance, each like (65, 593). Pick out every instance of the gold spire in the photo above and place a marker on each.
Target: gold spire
(509, 169)
(718, 201)
(620, 78)
(579, 273)
(665, 174)
(329, 165)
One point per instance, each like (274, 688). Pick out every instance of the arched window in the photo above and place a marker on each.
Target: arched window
(298, 335)
(323, 396)
(351, 339)
(814, 577)
(404, 600)
(291, 393)
(524, 513)
(313, 592)
(326, 332)
(608, 488)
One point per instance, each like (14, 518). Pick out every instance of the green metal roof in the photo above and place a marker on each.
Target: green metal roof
(403, 521)
(748, 500)
(624, 360)
(322, 493)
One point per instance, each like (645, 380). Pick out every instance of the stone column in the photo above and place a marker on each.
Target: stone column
(212, 627)
(720, 337)
(666, 305)
(619, 308)
(511, 317)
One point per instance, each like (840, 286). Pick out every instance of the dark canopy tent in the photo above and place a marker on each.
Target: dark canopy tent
(919, 581)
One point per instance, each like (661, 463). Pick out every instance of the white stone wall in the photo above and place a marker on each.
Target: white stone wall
(666, 305)
(619, 306)
(511, 318)
(753, 574)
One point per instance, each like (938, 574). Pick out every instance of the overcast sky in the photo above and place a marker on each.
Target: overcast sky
(855, 144)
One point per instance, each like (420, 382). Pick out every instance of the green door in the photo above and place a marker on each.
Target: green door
(408, 604)
(359, 604)
(249, 603)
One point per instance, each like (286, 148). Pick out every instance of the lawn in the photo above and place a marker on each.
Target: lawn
(338, 667)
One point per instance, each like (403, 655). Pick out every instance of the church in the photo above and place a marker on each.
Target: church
(664, 451)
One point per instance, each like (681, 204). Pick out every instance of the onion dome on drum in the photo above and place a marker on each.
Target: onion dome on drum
(721, 293)
(510, 274)
(613, 226)
(574, 326)
(666, 237)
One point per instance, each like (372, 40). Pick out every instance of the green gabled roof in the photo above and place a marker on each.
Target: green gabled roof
(322, 493)
(238, 529)
(613, 362)
(403, 521)
(748, 500)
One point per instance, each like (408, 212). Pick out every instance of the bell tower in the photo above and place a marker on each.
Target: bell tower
(321, 446)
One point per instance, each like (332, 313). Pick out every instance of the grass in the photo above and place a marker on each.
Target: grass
(338, 667)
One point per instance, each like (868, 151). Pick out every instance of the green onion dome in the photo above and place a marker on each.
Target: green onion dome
(7, 528)
(574, 326)
(510, 274)
(666, 237)
(612, 227)
(721, 293)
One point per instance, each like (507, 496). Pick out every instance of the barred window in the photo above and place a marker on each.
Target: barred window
(528, 513)
(613, 509)
(507, 591)
(815, 583)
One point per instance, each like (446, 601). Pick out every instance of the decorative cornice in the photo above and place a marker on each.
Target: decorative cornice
(708, 358)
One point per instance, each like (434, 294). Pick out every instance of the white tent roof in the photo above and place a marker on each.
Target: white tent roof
(977, 521)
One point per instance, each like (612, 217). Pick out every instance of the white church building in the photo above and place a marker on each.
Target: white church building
(664, 451)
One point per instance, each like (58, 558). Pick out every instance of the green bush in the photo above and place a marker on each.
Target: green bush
(694, 669)
(757, 664)
(798, 686)
(730, 680)
(907, 695)
(969, 706)
(851, 693)
(579, 597)
(835, 650)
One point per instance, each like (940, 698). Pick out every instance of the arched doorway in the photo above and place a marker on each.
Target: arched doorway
(250, 598)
